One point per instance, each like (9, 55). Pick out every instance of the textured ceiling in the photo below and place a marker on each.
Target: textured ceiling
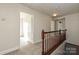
(60, 8)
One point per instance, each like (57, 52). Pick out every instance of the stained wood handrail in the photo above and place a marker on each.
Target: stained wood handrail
(54, 47)
(53, 31)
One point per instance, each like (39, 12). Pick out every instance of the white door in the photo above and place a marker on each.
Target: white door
(25, 29)
(52, 25)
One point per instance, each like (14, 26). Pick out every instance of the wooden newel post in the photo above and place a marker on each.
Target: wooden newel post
(59, 35)
(42, 35)
(59, 32)
(65, 34)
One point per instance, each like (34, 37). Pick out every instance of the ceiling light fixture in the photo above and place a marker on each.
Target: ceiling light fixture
(54, 14)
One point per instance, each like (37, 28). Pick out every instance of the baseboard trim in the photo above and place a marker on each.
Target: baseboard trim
(37, 42)
(9, 50)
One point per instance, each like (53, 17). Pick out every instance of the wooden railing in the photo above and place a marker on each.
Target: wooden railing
(51, 40)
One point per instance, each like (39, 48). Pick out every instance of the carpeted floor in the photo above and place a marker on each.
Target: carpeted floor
(30, 49)
(35, 49)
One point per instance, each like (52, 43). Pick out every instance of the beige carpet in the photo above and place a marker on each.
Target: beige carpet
(30, 49)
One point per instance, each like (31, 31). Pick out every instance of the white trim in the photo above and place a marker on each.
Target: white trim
(9, 50)
(37, 41)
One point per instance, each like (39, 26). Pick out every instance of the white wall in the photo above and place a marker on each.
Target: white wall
(9, 27)
(72, 26)
(39, 22)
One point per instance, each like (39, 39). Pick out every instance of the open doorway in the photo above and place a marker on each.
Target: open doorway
(25, 29)
(60, 24)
